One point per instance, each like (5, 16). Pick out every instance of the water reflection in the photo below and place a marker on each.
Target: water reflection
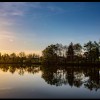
(88, 77)
(21, 69)
(74, 76)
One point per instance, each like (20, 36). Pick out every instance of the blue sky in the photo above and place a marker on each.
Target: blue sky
(31, 26)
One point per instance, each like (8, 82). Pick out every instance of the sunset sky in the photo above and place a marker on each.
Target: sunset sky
(31, 26)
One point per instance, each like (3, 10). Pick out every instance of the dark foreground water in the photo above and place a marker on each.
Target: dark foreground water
(18, 81)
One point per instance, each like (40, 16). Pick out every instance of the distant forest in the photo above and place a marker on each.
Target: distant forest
(58, 54)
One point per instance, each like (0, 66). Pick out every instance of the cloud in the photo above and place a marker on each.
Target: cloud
(16, 8)
(22, 8)
(11, 12)
(18, 13)
(11, 40)
(11, 8)
(6, 35)
(6, 22)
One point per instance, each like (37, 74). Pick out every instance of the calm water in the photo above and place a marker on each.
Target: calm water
(49, 82)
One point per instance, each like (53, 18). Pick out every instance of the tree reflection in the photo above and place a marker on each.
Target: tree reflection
(12, 69)
(20, 69)
(72, 76)
(94, 79)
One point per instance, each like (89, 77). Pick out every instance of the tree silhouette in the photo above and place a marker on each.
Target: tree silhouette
(70, 52)
(49, 54)
(58, 54)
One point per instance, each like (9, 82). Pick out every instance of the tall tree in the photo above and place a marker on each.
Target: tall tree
(22, 56)
(49, 54)
(97, 49)
(13, 56)
(70, 52)
(88, 47)
(77, 50)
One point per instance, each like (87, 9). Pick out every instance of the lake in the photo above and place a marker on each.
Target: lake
(21, 81)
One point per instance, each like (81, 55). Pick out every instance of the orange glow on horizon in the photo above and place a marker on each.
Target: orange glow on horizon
(17, 52)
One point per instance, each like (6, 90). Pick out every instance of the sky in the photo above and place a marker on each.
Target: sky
(32, 26)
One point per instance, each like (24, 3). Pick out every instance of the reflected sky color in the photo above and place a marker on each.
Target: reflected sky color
(30, 27)
(33, 85)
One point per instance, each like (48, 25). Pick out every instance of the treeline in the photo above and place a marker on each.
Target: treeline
(72, 53)
(58, 54)
(19, 58)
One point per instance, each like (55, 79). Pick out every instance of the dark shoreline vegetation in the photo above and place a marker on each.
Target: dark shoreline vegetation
(57, 54)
